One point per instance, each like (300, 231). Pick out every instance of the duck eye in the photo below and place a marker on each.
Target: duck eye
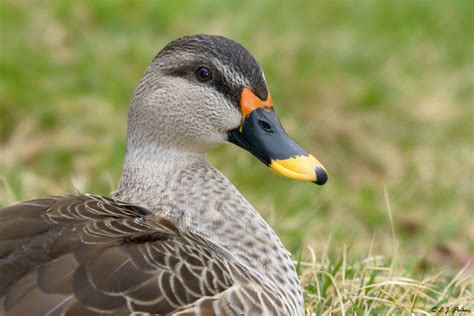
(203, 74)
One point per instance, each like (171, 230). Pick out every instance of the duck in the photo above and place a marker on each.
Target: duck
(176, 237)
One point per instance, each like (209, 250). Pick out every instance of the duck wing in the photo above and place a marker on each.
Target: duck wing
(89, 255)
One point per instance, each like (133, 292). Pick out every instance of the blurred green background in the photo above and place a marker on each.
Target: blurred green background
(380, 91)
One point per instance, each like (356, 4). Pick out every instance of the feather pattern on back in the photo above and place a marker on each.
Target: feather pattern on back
(86, 254)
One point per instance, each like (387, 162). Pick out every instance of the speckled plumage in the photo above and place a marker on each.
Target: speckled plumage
(177, 237)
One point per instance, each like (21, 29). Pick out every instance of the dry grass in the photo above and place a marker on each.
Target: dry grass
(336, 284)
(376, 285)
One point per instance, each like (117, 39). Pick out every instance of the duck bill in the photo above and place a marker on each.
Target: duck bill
(261, 134)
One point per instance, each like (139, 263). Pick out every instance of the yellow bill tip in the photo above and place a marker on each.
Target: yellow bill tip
(302, 167)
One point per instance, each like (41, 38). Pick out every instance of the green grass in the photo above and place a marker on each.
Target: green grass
(380, 91)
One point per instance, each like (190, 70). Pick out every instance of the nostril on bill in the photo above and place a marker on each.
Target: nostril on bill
(265, 125)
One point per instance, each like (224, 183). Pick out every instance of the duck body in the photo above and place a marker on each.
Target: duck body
(177, 238)
(89, 255)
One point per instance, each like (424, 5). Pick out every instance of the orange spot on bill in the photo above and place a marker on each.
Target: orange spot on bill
(249, 102)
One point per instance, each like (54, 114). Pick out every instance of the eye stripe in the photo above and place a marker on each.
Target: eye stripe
(226, 79)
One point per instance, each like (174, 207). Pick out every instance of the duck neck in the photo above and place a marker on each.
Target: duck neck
(154, 175)
(185, 188)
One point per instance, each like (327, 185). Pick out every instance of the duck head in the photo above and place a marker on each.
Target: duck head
(202, 91)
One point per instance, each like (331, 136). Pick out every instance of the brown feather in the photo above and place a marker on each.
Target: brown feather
(87, 255)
